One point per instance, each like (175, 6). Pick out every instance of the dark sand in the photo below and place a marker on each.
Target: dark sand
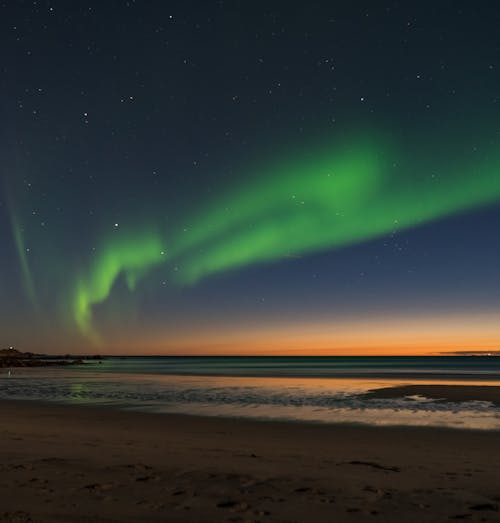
(455, 393)
(79, 464)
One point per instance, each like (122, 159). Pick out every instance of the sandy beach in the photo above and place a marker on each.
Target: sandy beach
(440, 392)
(85, 464)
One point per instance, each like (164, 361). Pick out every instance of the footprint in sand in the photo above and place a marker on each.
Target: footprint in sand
(302, 489)
(145, 479)
(233, 506)
(99, 486)
(484, 506)
(374, 465)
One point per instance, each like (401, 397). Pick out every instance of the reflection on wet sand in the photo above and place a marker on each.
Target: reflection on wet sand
(432, 402)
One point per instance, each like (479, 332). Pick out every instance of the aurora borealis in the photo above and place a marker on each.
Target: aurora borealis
(151, 193)
(330, 200)
(325, 202)
(131, 256)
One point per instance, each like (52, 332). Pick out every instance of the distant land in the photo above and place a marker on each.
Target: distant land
(14, 358)
(472, 353)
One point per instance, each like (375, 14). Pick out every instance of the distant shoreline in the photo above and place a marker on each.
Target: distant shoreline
(12, 358)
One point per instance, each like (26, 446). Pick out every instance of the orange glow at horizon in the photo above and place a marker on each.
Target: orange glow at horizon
(417, 335)
(347, 336)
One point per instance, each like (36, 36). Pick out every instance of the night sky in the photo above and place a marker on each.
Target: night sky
(250, 177)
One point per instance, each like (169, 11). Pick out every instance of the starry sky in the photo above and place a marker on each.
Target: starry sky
(201, 177)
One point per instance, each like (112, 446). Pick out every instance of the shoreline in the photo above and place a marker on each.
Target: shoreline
(455, 405)
(105, 410)
(439, 392)
(65, 464)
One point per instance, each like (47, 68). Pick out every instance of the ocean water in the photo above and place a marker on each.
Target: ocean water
(301, 389)
(317, 366)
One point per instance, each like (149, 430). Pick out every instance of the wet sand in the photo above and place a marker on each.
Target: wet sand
(449, 393)
(82, 464)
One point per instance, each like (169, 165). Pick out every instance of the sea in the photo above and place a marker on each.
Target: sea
(330, 389)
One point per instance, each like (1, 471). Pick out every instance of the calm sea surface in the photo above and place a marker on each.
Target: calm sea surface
(317, 366)
(306, 389)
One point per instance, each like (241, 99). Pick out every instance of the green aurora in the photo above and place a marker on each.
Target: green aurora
(18, 235)
(319, 201)
(326, 201)
(27, 277)
(131, 255)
